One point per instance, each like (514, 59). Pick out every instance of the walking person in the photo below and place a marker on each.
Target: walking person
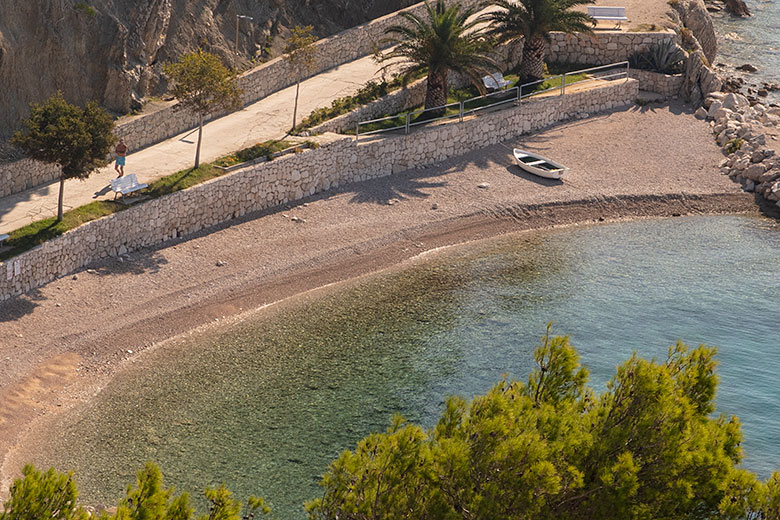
(121, 152)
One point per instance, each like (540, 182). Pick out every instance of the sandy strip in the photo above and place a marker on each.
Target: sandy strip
(61, 343)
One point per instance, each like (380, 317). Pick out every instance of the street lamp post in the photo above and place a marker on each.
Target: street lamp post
(235, 50)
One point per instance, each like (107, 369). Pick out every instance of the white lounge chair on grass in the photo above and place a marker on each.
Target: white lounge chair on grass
(495, 81)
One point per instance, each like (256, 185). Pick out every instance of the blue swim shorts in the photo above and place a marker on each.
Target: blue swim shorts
(120, 161)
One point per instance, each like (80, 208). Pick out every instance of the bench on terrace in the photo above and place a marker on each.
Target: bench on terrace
(126, 184)
(495, 81)
(615, 14)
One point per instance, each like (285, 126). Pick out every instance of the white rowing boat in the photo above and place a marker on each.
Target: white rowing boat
(538, 165)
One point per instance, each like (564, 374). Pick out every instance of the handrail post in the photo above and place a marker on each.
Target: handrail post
(563, 84)
(357, 131)
(461, 111)
(406, 131)
(628, 72)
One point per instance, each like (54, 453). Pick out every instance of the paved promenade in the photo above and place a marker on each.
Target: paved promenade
(269, 118)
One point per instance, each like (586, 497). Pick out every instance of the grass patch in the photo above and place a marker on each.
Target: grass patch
(31, 235)
(265, 149)
(371, 91)
(470, 93)
(182, 180)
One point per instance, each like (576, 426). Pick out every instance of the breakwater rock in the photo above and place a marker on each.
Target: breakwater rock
(739, 129)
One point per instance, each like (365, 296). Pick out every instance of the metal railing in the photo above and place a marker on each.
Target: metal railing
(514, 95)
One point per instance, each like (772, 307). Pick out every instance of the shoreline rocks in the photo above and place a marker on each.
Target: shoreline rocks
(738, 128)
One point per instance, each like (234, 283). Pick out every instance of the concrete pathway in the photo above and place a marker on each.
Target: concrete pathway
(269, 118)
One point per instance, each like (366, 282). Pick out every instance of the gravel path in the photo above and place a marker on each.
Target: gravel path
(61, 342)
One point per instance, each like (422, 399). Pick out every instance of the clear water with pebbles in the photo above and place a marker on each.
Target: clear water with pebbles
(265, 405)
(754, 40)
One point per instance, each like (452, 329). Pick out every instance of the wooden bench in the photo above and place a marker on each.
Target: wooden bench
(126, 184)
(614, 14)
(495, 81)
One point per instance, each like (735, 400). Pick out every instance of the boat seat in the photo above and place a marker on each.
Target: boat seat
(535, 163)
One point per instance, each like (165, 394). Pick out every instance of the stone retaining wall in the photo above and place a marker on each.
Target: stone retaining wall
(601, 48)
(664, 84)
(338, 161)
(142, 131)
(25, 174)
(273, 76)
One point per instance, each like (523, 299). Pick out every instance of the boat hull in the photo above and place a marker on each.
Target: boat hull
(538, 165)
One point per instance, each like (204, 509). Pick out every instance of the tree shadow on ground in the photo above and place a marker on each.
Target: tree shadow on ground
(410, 184)
(14, 308)
(137, 262)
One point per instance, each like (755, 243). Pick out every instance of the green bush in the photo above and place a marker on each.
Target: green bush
(86, 8)
(648, 447)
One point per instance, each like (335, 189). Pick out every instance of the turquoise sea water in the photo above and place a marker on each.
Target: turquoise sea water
(263, 406)
(754, 40)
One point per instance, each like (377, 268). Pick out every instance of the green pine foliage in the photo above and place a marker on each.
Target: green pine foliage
(550, 448)
(37, 495)
(52, 496)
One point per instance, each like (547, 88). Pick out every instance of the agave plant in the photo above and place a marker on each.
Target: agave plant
(665, 57)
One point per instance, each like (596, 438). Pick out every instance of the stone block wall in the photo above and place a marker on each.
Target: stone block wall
(272, 76)
(266, 185)
(601, 48)
(142, 131)
(664, 84)
(25, 174)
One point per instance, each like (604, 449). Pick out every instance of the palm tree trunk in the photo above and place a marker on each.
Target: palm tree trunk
(200, 136)
(534, 51)
(61, 198)
(436, 92)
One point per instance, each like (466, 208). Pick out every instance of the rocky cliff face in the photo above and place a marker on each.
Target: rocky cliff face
(113, 50)
(697, 34)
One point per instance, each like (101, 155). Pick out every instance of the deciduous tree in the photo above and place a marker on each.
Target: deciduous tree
(202, 84)
(300, 52)
(78, 140)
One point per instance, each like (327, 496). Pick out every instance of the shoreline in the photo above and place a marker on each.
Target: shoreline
(462, 232)
(67, 339)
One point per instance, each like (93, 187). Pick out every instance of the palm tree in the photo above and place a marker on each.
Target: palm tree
(443, 41)
(533, 20)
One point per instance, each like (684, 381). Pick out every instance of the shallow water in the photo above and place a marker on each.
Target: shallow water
(754, 40)
(265, 405)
